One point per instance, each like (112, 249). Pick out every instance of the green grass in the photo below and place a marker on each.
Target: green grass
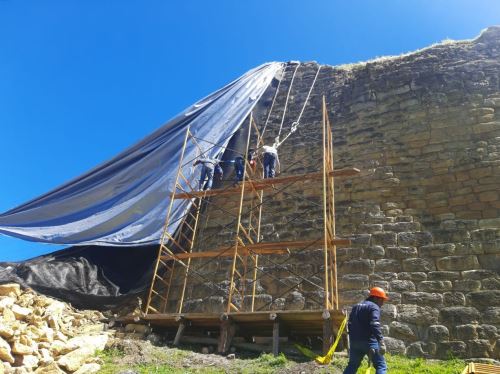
(171, 361)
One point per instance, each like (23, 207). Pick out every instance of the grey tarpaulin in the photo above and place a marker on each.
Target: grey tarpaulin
(123, 201)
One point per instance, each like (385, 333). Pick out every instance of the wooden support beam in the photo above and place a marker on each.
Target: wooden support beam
(327, 332)
(276, 334)
(227, 331)
(180, 331)
(261, 184)
(273, 248)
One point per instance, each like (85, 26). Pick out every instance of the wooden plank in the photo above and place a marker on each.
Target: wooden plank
(272, 248)
(261, 184)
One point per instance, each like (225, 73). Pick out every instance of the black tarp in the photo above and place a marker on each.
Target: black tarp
(91, 277)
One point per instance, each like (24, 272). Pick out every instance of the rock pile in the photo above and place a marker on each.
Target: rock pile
(45, 336)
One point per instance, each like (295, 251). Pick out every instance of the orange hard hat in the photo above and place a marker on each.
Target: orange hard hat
(378, 292)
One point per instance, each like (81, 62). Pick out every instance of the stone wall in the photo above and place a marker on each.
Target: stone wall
(424, 216)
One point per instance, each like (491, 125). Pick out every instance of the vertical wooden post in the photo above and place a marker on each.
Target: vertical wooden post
(276, 334)
(180, 331)
(325, 215)
(167, 221)
(327, 332)
(237, 244)
(227, 330)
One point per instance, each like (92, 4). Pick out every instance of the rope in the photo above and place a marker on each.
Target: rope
(272, 104)
(287, 97)
(326, 359)
(295, 124)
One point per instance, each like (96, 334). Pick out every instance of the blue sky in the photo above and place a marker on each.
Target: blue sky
(82, 80)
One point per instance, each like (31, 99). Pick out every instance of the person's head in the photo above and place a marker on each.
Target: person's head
(377, 295)
(251, 154)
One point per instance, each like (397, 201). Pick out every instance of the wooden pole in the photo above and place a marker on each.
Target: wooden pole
(167, 221)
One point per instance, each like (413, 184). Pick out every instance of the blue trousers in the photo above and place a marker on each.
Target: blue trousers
(239, 168)
(207, 172)
(357, 353)
(269, 165)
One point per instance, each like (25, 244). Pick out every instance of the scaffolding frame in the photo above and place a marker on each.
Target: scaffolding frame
(176, 250)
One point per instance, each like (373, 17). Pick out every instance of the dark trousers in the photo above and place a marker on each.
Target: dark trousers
(357, 353)
(239, 168)
(269, 165)
(207, 172)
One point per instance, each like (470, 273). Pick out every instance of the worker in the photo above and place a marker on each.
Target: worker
(271, 161)
(239, 165)
(365, 334)
(209, 167)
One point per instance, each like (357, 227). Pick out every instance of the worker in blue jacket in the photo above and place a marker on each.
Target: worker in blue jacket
(365, 334)
(209, 167)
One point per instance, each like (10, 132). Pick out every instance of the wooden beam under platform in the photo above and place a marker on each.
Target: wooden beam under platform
(261, 184)
(261, 323)
(273, 248)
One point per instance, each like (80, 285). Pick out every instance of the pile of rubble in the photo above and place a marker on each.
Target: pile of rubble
(42, 335)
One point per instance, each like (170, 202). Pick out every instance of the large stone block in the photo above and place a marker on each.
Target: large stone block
(446, 350)
(484, 299)
(414, 239)
(359, 266)
(418, 264)
(437, 250)
(453, 299)
(421, 349)
(434, 286)
(492, 315)
(465, 332)
(488, 332)
(354, 282)
(344, 254)
(422, 298)
(457, 315)
(443, 275)
(457, 263)
(402, 331)
(374, 252)
(417, 276)
(438, 333)
(401, 285)
(394, 346)
(466, 285)
(386, 265)
(384, 238)
(490, 262)
(401, 252)
(417, 315)
(478, 274)
(479, 348)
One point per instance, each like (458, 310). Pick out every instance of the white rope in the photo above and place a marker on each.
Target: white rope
(297, 122)
(272, 104)
(287, 97)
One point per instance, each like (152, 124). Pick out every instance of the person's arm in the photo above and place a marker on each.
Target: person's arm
(196, 162)
(375, 326)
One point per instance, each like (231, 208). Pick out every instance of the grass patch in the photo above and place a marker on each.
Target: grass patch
(177, 361)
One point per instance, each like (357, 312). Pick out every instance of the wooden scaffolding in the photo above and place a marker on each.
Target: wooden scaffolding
(176, 253)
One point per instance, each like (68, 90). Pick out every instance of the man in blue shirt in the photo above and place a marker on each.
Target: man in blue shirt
(365, 334)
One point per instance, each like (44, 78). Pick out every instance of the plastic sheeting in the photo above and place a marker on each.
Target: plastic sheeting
(123, 201)
(89, 277)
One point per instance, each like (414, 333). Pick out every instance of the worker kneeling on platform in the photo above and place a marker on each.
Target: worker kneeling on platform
(365, 334)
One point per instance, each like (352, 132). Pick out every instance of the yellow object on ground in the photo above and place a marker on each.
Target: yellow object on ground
(475, 368)
(326, 359)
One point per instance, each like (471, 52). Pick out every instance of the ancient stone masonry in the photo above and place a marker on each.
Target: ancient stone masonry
(424, 216)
